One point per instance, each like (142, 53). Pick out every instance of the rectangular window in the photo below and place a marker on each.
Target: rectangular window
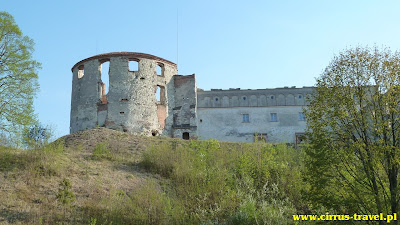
(301, 116)
(274, 117)
(160, 69)
(246, 118)
(81, 71)
(160, 95)
(133, 65)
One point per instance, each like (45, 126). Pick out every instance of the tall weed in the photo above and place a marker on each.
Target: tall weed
(239, 184)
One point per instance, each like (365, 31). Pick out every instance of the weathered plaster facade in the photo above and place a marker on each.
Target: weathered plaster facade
(238, 115)
(178, 109)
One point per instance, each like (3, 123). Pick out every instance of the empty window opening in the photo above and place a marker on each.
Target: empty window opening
(216, 99)
(105, 76)
(185, 136)
(121, 113)
(103, 97)
(244, 98)
(160, 94)
(274, 117)
(246, 118)
(81, 71)
(133, 65)
(201, 120)
(272, 97)
(300, 96)
(124, 100)
(301, 116)
(160, 69)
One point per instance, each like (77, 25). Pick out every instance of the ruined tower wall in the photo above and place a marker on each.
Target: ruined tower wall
(185, 106)
(131, 104)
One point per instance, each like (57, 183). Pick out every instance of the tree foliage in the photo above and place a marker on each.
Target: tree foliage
(354, 133)
(37, 136)
(18, 77)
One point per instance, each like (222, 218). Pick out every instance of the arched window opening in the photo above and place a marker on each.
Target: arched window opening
(185, 136)
(133, 64)
(160, 69)
(81, 71)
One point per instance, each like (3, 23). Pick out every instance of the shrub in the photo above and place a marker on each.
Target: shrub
(239, 184)
(101, 151)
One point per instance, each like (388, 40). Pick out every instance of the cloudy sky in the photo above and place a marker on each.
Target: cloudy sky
(227, 44)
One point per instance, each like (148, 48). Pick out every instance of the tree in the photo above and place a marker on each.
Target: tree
(37, 136)
(18, 77)
(354, 133)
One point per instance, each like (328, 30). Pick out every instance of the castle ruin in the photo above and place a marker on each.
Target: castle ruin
(149, 101)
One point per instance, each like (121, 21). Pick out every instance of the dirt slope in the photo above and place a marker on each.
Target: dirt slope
(98, 163)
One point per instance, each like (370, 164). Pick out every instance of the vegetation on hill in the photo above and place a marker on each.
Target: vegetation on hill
(102, 176)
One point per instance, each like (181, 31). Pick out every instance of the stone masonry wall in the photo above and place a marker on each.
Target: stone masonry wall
(185, 106)
(131, 104)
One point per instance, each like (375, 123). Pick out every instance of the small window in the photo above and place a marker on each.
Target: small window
(81, 72)
(133, 65)
(274, 117)
(301, 116)
(216, 99)
(185, 136)
(272, 97)
(246, 118)
(160, 69)
(244, 98)
(300, 96)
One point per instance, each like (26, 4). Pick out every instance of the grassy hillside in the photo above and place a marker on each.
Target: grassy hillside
(102, 176)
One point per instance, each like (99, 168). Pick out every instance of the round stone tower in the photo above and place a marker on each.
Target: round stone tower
(138, 98)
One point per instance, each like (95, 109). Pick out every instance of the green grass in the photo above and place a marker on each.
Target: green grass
(235, 184)
(124, 179)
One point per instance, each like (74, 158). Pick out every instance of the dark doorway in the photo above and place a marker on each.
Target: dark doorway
(185, 136)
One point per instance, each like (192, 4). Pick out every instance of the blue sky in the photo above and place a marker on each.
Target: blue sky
(227, 44)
